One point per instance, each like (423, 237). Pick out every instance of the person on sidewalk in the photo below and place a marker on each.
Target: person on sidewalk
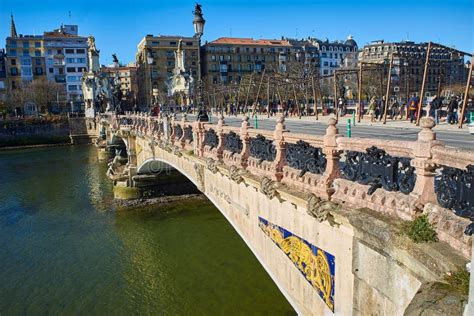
(452, 108)
(394, 109)
(372, 108)
(436, 106)
(412, 109)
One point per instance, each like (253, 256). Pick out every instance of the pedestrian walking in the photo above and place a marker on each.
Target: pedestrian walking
(372, 108)
(452, 109)
(394, 109)
(412, 109)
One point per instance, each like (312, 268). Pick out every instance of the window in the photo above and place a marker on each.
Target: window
(38, 71)
(51, 70)
(80, 60)
(13, 43)
(26, 52)
(26, 61)
(61, 71)
(14, 71)
(324, 55)
(72, 87)
(213, 57)
(60, 51)
(38, 62)
(12, 52)
(189, 43)
(37, 53)
(37, 44)
(69, 51)
(50, 62)
(13, 62)
(80, 51)
(73, 78)
(81, 69)
(70, 69)
(26, 71)
(50, 52)
(173, 43)
(70, 60)
(26, 44)
(326, 63)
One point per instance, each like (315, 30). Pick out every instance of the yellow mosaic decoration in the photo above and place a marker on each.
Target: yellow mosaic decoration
(315, 264)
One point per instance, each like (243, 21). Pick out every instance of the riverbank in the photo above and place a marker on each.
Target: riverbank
(35, 131)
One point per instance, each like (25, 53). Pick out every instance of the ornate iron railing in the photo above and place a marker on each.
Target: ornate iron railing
(455, 191)
(178, 132)
(262, 148)
(188, 133)
(378, 169)
(304, 157)
(210, 138)
(233, 143)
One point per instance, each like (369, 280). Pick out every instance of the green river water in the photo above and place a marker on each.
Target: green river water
(65, 250)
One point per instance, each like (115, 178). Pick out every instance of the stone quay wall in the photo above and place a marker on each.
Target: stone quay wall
(33, 132)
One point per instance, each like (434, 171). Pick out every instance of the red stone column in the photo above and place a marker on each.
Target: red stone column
(424, 166)
(324, 187)
(280, 145)
(244, 136)
(220, 134)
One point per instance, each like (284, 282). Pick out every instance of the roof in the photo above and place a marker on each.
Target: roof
(250, 41)
(58, 34)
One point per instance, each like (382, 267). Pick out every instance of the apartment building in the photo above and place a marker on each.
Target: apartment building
(155, 61)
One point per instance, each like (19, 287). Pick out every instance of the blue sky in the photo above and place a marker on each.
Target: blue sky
(119, 25)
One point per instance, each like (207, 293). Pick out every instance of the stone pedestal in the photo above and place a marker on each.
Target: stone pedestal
(124, 192)
(103, 154)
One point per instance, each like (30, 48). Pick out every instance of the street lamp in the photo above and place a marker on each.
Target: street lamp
(198, 24)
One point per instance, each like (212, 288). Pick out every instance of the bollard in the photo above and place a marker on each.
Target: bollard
(349, 133)
(354, 118)
(256, 121)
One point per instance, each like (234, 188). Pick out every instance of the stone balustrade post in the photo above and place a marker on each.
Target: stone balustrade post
(244, 136)
(184, 120)
(280, 145)
(220, 134)
(198, 136)
(424, 166)
(325, 186)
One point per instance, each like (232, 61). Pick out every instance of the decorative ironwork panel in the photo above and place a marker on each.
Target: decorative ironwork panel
(178, 132)
(379, 170)
(455, 191)
(188, 133)
(317, 266)
(304, 157)
(233, 143)
(210, 138)
(126, 121)
(262, 148)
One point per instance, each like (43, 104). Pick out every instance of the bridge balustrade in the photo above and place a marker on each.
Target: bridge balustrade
(397, 178)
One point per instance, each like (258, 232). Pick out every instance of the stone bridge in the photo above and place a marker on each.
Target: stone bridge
(323, 214)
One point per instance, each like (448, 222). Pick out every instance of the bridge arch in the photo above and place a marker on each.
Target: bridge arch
(149, 162)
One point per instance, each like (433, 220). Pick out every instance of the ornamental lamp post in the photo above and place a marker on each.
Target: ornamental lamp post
(198, 24)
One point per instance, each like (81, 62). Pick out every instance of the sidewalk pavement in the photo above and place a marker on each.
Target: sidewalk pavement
(403, 124)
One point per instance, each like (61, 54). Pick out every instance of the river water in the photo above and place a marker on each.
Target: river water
(65, 249)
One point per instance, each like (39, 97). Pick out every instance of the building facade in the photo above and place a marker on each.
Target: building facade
(155, 62)
(126, 77)
(446, 66)
(59, 56)
(66, 59)
(226, 60)
(336, 54)
(3, 79)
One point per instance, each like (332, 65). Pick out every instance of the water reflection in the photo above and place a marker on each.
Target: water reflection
(66, 250)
